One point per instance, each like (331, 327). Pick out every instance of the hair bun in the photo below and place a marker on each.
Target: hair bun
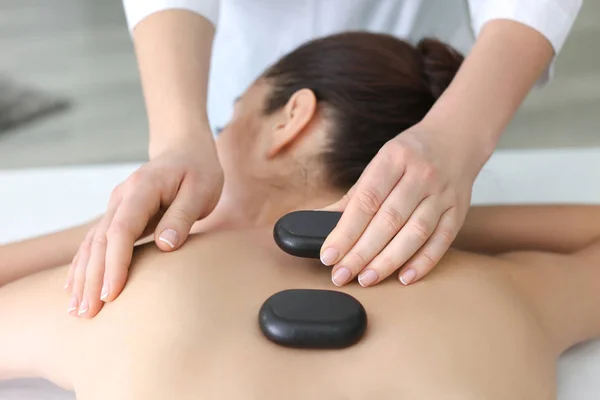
(440, 64)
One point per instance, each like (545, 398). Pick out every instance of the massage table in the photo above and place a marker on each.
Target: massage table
(38, 201)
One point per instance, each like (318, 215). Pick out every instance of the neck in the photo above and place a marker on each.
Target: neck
(262, 204)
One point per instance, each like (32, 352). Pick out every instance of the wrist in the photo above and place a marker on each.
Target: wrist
(471, 148)
(179, 136)
(477, 142)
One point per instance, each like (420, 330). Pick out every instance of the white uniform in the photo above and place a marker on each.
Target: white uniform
(252, 34)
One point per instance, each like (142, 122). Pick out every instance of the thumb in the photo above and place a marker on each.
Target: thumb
(189, 206)
(341, 204)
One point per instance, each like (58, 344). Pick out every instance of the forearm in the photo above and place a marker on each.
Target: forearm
(173, 50)
(504, 64)
(36, 333)
(29, 256)
(556, 228)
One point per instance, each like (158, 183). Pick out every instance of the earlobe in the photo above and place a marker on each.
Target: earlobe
(297, 115)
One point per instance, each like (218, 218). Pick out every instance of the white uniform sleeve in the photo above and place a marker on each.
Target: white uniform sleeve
(552, 18)
(137, 10)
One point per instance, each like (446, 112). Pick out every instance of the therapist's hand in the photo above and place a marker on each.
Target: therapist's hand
(411, 201)
(405, 210)
(167, 195)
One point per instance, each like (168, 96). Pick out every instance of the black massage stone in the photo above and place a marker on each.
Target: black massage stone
(317, 319)
(302, 233)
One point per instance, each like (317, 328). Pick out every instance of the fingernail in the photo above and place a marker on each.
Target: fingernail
(329, 256)
(67, 285)
(368, 278)
(83, 308)
(408, 276)
(341, 276)
(170, 237)
(105, 291)
(73, 304)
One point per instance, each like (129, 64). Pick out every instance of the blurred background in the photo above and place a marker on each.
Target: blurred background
(68, 68)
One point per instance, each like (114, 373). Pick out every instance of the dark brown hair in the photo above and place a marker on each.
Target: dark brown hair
(375, 86)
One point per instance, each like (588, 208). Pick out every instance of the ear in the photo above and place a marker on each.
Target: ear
(295, 117)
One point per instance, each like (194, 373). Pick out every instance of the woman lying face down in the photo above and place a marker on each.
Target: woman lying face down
(489, 322)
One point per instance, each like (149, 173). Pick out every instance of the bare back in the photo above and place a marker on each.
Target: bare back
(186, 327)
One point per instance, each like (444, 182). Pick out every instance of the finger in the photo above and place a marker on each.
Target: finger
(191, 204)
(432, 252)
(341, 204)
(79, 273)
(391, 217)
(90, 298)
(131, 217)
(70, 275)
(407, 242)
(381, 177)
(89, 292)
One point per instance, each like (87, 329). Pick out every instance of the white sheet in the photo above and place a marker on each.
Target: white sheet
(33, 202)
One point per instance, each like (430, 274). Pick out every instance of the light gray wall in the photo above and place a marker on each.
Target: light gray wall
(81, 48)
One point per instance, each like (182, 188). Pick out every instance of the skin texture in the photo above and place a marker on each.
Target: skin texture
(265, 158)
(411, 201)
(182, 181)
(422, 198)
(185, 325)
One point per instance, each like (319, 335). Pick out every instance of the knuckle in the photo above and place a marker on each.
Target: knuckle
(421, 230)
(388, 158)
(369, 201)
(356, 260)
(459, 198)
(349, 238)
(118, 228)
(392, 219)
(428, 261)
(445, 237)
(99, 240)
(346, 239)
(429, 173)
(448, 190)
(88, 238)
(386, 265)
(396, 149)
(135, 179)
(404, 152)
(181, 215)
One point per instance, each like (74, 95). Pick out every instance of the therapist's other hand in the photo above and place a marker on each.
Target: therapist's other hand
(167, 195)
(405, 210)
